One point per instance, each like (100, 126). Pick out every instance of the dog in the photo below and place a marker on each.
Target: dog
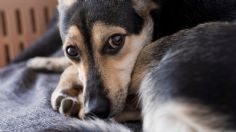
(102, 40)
(187, 82)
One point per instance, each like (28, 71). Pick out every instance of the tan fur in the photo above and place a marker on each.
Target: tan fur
(101, 32)
(144, 60)
(140, 66)
(74, 37)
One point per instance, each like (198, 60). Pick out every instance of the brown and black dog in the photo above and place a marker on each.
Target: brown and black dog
(102, 40)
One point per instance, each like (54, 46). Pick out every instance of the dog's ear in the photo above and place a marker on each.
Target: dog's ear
(144, 7)
(66, 3)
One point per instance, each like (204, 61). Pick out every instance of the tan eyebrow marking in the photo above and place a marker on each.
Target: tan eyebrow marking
(74, 36)
(101, 32)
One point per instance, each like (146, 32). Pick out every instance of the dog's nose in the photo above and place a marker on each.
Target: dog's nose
(97, 108)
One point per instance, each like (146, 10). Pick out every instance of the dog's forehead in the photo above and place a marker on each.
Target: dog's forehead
(86, 13)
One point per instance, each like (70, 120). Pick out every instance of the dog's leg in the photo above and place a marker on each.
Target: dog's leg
(57, 64)
(67, 97)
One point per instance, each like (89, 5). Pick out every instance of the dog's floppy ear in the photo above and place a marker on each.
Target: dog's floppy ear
(143, 7)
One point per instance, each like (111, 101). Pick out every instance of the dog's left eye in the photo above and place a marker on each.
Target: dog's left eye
(72, 52)
(114, 44)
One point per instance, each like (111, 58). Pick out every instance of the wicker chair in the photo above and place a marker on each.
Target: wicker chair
(21, 22)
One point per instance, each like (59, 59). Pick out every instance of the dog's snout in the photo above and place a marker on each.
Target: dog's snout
(97, 108)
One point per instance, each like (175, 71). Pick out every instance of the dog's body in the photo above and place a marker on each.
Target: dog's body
(103, 39)
(189, 84)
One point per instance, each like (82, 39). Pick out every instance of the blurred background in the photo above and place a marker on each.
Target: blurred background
(21, 23)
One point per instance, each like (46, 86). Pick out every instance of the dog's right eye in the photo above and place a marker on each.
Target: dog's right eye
(72, 52)
(114, 44)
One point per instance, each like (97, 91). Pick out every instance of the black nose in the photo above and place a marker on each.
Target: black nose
(97, 108)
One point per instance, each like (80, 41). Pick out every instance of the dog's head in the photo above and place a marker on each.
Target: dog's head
(103, 39)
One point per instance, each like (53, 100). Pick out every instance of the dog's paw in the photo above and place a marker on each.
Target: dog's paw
(65, 104)
(67, 98)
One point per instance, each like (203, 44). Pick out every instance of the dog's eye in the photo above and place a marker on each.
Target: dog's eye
(114, 44)
(72, 52)
(116, 41)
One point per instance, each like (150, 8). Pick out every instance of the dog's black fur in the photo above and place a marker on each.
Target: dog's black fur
(170, 17)
(174, 15)
(197, 66)
(115, 13)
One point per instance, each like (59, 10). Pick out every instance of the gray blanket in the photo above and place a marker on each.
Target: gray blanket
(25, 97)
